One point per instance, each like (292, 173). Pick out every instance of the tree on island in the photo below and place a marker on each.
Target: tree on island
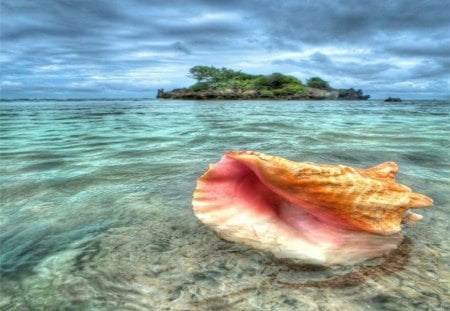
(318, 83)
(211, 74)
(203, 73)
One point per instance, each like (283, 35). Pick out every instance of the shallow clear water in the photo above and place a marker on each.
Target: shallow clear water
(96, 215)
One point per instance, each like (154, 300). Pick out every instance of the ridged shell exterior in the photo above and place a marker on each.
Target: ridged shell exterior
(361, 199)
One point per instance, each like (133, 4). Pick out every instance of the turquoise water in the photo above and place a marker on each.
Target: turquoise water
(95, 205)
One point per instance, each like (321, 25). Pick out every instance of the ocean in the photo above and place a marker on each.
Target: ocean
(96, 204)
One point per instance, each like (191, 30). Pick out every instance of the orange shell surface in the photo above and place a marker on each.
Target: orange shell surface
(367, 200)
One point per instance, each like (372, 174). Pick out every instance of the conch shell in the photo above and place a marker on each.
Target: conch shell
(312, 213)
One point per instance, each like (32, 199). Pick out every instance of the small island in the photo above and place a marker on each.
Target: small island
(223, 83)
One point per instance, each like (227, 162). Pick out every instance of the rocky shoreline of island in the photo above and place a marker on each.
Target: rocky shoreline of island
(227, 84)
(237, 94)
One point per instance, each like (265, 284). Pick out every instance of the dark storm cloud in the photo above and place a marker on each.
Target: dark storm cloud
(133, 47)
(434, 49)
(353, 21)
(64, 19)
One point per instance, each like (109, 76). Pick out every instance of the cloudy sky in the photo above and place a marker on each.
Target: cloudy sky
(129, 48)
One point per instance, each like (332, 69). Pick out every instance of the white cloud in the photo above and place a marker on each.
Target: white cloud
(146, 54)
(48, 68)
(214, 17)
(7, 83)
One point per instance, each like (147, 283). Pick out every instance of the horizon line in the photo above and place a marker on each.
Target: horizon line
(154, 98)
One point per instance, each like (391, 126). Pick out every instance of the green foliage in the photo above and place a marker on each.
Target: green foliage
(266, 93)
(318, 83)
(203, 73)
(278, 80)
(275, 81)
(290, 89)
(209, 74)
(199, 86)
(269, 86)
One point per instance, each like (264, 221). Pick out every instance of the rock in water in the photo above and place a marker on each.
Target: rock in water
(312, 213)
(393, 99)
